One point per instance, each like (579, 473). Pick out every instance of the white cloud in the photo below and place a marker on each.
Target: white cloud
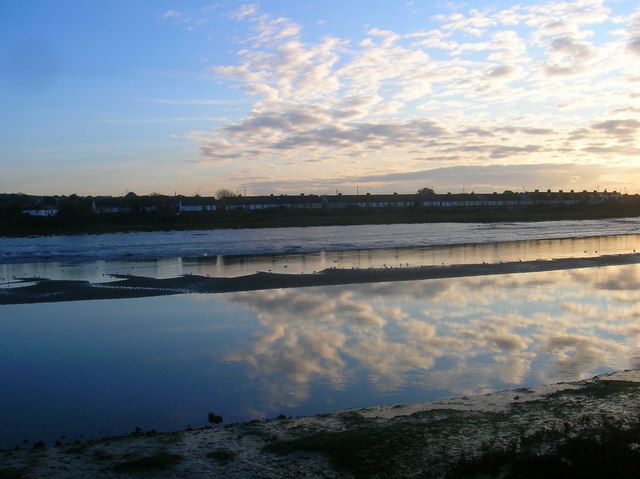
(397, 98)
(246, 10)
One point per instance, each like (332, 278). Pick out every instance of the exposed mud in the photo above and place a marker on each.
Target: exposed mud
(41, 290)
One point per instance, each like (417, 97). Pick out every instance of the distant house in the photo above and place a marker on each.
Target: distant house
(161, 204)
(105, 206)
(282, 201)
(370, 201)
(196, 205)
(135, 204)
(156, 204)
(38, 209)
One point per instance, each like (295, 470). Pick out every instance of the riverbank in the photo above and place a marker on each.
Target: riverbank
(576, 429)
(40, 290)
(282, 218)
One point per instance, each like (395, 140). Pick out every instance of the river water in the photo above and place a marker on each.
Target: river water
(95, 368)
(91, 368)
(190, 244)
(307, 250)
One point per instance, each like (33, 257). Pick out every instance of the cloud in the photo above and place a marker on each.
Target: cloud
(633, 34)
(187, 21)
(618, 128)
(507, 151)
(529, 84)
(500, 71)
(478, 178)
(244, 11)
(567, 56)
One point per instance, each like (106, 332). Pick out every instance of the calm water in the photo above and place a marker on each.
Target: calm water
(104, 367)
(188, 244)
(237, 265)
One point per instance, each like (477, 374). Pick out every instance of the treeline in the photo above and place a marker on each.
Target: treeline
(76, 214)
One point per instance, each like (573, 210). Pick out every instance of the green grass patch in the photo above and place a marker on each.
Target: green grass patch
(222, 454)
(363, 452)
(599, 389)
(352, 419)
(608, 449)
(101, 455)
(155, 461)
(14, 473)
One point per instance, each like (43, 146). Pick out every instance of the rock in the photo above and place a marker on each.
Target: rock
(215, 418)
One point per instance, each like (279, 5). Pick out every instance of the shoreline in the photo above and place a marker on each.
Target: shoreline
(129, 286)
(435, 439)
(49, 227)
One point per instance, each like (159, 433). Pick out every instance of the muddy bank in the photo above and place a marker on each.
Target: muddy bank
(39, 290)
(450, 438)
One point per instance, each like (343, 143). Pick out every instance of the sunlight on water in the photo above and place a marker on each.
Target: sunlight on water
(212, 243)
(224, 266)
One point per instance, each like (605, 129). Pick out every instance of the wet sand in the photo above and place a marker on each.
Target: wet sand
(41, 290)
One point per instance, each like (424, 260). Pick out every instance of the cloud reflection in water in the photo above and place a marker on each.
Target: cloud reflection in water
(457, 336)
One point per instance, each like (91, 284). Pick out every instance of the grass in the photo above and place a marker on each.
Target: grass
(590, 446)
(13, 473)
(222, 454)
(101, 455)
(353, 419)
(362, 452)
(158, 460)
(608, 449)
(599, 389)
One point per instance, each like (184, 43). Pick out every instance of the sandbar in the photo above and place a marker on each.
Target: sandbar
(42, 290)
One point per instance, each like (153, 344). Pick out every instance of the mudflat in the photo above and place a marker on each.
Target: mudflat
(41, 290)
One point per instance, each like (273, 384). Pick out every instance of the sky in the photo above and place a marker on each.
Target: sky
(318, 96)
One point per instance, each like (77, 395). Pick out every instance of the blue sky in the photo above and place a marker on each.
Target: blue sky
(281, 96)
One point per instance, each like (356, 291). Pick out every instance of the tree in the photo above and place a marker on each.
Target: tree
(223, 193)
(426, 191)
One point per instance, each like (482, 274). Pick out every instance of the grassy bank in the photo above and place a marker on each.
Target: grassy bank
(26, 226)
(581, 429)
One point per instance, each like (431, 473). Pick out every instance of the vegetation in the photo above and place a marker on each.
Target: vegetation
(75, 215)
(222, 455)
(14, 473)
(159, 460)
(367, 449)
(607, 449)
(426, 191)
(222, 193)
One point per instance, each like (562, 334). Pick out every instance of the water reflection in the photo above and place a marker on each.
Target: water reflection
(462, 336)
(164, 362)
(230, 265)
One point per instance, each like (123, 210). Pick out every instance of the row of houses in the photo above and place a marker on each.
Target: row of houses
(182, 204)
